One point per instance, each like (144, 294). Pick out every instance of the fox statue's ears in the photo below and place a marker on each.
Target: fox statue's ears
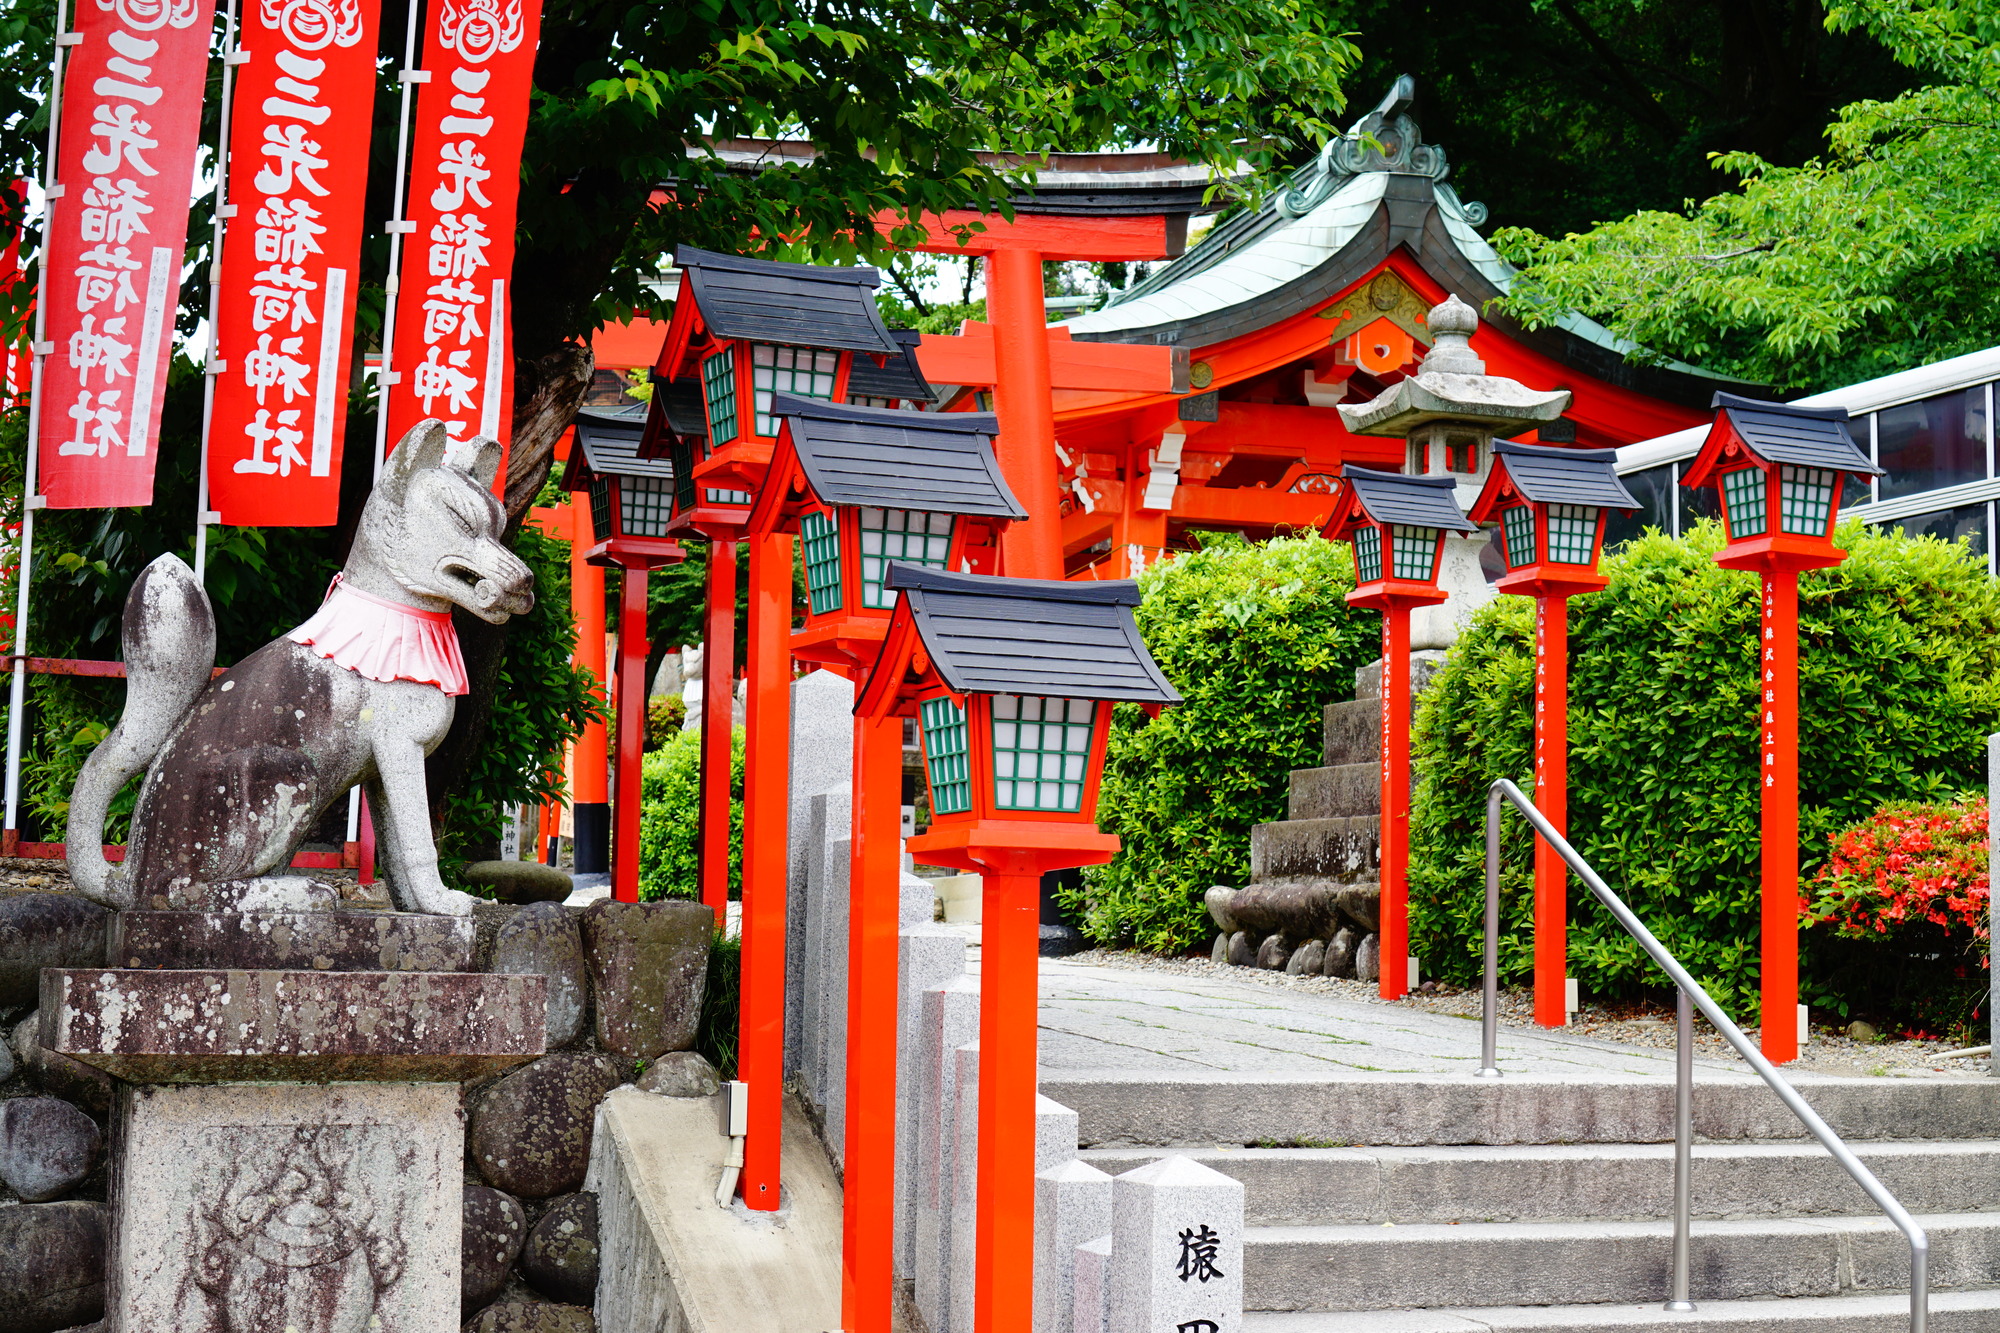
(428, 446)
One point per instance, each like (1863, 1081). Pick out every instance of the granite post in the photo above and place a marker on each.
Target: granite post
(930, 956)
(1072, 1207)
(822, 759)
(949, 1018)
(1176, 1249)
(1091, 1312)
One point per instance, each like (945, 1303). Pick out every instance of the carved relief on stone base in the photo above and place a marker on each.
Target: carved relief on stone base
(302, 1208)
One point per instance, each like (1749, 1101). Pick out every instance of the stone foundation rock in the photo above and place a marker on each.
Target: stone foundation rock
(47, 1147)
(495, 1227)
(543, 940)
(529, 1133)
(561, 1257)
(532, 1317)
(51, 1265)
(681, 1074)
(648, 970)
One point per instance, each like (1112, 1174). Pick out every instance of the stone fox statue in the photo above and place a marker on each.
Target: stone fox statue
(239, 767)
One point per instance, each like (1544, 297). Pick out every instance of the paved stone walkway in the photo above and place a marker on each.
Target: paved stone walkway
(1114, 1018)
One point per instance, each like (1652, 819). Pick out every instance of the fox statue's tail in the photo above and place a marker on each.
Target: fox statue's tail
(169, 638)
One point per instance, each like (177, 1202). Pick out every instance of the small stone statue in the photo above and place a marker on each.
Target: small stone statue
(239, 767)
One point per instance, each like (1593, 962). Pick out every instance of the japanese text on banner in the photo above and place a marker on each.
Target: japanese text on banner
(125, 159)
(452, 356)
(298, 150)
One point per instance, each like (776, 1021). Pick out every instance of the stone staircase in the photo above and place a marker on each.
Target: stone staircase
(1420, 1204)
(1313, 874)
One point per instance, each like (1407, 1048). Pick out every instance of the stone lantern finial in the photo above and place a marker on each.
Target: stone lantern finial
(1452, 324)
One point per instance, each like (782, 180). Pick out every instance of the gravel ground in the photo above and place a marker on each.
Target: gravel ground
(1828, 1052)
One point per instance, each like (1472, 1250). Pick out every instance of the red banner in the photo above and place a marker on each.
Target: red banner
(298, 161)
(111, 272)
(453, 354)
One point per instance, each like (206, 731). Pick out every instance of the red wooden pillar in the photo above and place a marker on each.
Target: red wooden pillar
(1394, 938)
(631, 734)
(718, 686)
(1023, 401)
(760, 1051)
(1552, 798)
(1009, 985)
(1779, 787)
(590, 759)
(873, 921)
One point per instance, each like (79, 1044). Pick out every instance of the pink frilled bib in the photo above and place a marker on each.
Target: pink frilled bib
(384, 640)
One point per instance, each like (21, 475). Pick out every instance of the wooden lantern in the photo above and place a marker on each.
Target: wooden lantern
(1549, 505)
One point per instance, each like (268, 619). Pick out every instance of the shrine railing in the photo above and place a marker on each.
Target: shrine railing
(1690, 997)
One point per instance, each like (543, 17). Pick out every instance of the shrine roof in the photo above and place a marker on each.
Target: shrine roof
(680, 402)
(899, 377)
(804, 305)
(1547, 475)
(1418, 502)
(1374, 189)
(988, 635)
(892, 458)
(1803, 436)
(609, 445)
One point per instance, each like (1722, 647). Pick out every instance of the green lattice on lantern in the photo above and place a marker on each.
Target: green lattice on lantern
(1041, 748)
(1805, 500)
(947, 756)
(644, 505)
(1744, 495)
(1368, 554)
(1415, 551)
(1517, 526)
(819, 534)
(716, 497)
(899, 534)
(718, 382)
(600, 506)
(1572, 534)
(775, 369)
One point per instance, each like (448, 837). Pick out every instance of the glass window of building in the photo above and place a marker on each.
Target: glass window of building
(1654, 490)
(1966, 523)
(1937, 442)
(1696, 503)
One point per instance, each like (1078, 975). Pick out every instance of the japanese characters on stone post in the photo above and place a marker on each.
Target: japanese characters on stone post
(298, 150)
(118, 228)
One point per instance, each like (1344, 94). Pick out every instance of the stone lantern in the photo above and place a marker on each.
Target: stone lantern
(1779, 471)
(1549, 505)
(1013, 681)
(1449, 413)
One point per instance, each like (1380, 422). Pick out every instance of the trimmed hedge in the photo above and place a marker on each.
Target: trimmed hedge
(670, 818)
(1258, 638)
(1899, 685)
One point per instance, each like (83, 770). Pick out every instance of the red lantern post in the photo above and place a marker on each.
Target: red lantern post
(1014, 745)
(864, 486)
(1549, 505)
(1779, 471)
(748, 330)
(1397, 526)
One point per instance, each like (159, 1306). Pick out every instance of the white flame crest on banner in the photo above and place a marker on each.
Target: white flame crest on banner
(150, 15)
(310, 25)
(477, 29)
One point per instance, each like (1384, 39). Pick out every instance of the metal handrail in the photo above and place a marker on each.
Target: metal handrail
(1691, 996)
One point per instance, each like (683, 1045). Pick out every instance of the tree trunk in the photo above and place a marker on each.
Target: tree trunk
(547, 393)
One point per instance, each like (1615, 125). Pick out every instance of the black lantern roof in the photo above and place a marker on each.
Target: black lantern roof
(898, 377)
(1417, 502)
(935, 462)
(1802, 436)
(680, 402)
(1565, 476)
(1048, 637)
(607, 445)
(805, 305)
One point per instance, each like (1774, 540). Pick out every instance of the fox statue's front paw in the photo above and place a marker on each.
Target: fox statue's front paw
(427, 893)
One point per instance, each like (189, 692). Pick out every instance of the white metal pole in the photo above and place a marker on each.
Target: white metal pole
(231, 58)
(397, 228)
(17, 689)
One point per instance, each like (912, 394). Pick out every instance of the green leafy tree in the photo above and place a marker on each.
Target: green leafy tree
(1899, 684)
(1258, 639)
(1881, 253)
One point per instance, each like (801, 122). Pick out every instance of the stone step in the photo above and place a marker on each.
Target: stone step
(1351, 732)
(1959, 1311)
(1311, 1186)
(1376, 1267)
(1151, 1109)
(1335, 792)
(1346, 849)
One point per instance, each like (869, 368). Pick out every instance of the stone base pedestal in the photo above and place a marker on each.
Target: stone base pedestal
(320, 1208)
(289, 1143)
